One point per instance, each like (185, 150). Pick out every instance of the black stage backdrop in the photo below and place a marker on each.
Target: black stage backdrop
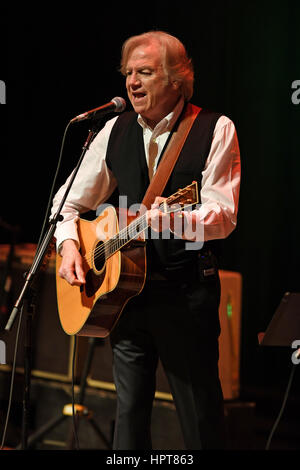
(58, 61)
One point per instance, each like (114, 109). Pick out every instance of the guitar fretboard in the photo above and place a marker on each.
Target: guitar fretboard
(122, 238)
(140, 224)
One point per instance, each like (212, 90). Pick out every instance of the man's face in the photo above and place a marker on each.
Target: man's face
(149, 89)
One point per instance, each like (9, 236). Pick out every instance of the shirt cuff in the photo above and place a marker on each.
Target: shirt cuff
(66, 231)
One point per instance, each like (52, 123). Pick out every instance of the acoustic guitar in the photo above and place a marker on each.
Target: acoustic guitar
(114, 263)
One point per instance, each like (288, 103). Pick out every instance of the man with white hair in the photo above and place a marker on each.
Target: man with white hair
(175, 317)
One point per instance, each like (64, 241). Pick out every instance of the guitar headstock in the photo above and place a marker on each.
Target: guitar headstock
(183, 198)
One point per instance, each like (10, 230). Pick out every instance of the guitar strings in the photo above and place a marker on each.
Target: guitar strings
(113, 244)
(130, 232)
(118, 240)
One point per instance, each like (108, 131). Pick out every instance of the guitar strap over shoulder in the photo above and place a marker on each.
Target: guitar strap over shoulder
(171, 154)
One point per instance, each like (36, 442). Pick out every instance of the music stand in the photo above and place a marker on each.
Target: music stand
(284, 327)
(284, 330)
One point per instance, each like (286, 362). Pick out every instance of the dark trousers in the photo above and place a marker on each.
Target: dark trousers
(177, 322)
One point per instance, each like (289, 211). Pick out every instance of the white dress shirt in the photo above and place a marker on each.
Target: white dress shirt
(219, 191)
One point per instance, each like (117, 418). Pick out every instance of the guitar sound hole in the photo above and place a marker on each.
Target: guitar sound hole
(99, 256)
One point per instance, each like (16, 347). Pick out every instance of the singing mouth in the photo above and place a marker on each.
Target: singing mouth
(138, 96)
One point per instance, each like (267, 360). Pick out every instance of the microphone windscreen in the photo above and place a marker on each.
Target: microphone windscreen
(120, 104)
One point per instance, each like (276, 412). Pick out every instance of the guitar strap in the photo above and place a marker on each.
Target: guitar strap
(171, 154)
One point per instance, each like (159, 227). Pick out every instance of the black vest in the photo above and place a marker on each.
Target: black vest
(127, 161)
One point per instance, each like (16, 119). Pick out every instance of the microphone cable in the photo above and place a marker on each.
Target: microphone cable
(12, 379)
(46, 218)
(282, 407)
(45, 221)
(21, 309)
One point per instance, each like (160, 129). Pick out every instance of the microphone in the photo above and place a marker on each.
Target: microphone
(116, 105)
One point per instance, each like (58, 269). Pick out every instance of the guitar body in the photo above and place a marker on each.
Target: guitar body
(114, 263)
(94, 308)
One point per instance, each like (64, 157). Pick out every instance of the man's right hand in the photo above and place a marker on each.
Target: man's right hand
(71, 266)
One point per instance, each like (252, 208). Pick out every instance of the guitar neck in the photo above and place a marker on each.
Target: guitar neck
(126, 235)
(187, 196)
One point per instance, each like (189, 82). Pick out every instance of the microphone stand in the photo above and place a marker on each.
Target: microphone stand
(28, 294)
(4, 291)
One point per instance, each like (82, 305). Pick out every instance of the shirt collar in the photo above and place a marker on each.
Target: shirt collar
(167, 122)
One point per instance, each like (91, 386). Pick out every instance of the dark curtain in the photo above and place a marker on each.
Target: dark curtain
(57, 64)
